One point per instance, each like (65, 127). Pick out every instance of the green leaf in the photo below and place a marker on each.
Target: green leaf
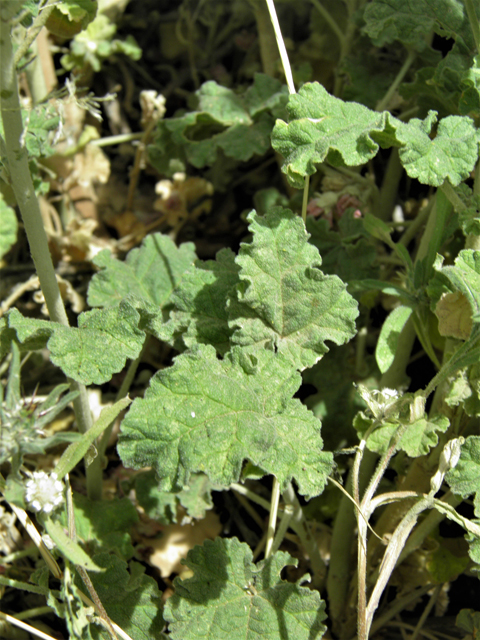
(223, 121)
(91, 353)
(78, 10)
(8, 227)
(200, 302)
(468, 620)
(206, 415)
(412, 22)
(323, 128)
(131, 599)
(70, 549)
(348, 260)
(418, 439)
(337, 400)
(444, 566)
(77, 450)
(230, 597)
(451, 154)
(162, 505)
(152, 271)
(96, 43)
(464, 478)
(284, 301)
(389, 334)
(104, 525)
(464, 276)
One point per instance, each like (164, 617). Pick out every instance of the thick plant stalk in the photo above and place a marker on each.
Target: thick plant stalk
(21, 181)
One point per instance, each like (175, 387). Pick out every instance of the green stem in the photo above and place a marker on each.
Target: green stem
(266, 37)
(413, 228)
(119, 139)
(272, 520)
(339, 570)
(36, 77)
(39, 22)
(21, 181)
(392, 552)
(472, 18)
(389, 189)
(305, 199)
(384, 102)
(122, 392)
(299, 525)
(330, 21)
(427, 526)
(453, 197)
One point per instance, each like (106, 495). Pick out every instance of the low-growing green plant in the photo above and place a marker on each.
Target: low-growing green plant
(226, 415)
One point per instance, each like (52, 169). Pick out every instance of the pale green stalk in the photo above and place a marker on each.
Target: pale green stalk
(272, 520)
(21, 181)
(329, 19)
(384, 102)
(34, 30)
(290, 84)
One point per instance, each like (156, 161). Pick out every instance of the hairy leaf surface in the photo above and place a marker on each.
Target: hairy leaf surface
(230, 597)
(91, 353)
(206, 415)
(284, 301)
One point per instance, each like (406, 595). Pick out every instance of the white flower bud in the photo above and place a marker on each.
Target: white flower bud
(44, 492)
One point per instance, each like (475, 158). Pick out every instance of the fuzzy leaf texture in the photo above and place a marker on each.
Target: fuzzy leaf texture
(91, 353)
(231, 598)
(463, 277)
(416, 441)
(238, 126)
(104, 525)
(451, 154)
(200, 303)
(206, 415)
(325, 128)
(284, 301)
(411, 22)
(464, 478)
(148, 277)
(131, 599)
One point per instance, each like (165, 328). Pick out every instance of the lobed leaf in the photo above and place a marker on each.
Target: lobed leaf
(200, 302)
(238, 126)
(206, 415)
(91, 353)
(418, 439)
(464, 478)
(284, 302)
(131, 599)
(323, 127)
(230, 597)
(463, 277)
(451, 154)
(411, 22)
(152, 271)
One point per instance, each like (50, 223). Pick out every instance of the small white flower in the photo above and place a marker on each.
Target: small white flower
(379, 401)
(44, 492)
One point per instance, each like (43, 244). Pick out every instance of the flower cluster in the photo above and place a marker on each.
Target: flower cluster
(44, 492)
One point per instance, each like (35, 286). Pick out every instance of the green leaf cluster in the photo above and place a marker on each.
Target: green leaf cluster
(222, 124)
